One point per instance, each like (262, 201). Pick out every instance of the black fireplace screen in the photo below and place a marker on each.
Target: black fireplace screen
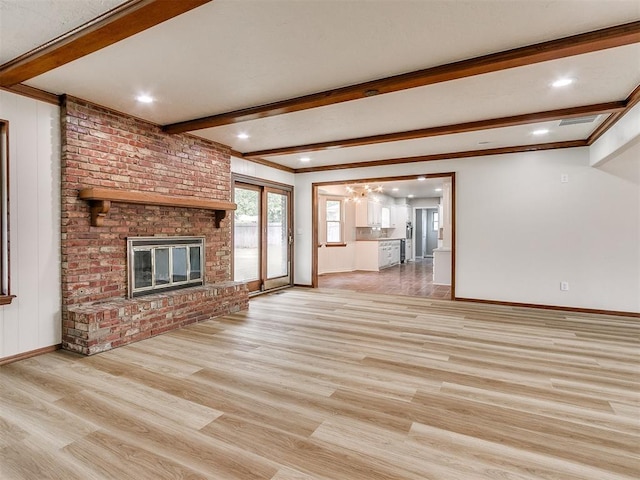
(164, 263)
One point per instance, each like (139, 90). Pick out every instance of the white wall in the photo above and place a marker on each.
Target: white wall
(520, 231)
(431, 202)
(33, 320)
(618, 150)
(337, 259)
(626, 162)
(256, 170)
(617, 138)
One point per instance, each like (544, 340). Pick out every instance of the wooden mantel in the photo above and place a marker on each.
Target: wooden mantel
(100, 200)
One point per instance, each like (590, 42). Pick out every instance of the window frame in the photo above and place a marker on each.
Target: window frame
(5, 271)
(341, 242)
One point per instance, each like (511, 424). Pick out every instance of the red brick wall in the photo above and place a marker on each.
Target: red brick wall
(94, 328)
(104, 148)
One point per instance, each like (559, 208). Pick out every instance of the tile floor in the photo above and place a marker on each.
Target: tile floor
(414, 279)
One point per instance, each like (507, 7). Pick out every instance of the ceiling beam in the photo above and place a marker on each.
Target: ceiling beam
(573, 112)
(631, 101)
(284, 168)
(447, 156)
(565, 47)
(117, 24)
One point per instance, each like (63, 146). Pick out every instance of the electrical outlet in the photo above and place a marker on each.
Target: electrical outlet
(564, 178)
(564, 286)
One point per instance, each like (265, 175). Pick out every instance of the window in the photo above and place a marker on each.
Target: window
(334, 221)
(161, 264)
(5, 294)
(436, 222)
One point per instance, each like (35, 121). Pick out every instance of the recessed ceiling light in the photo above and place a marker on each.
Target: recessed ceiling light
(242, 136)
(410, 196)
(421, 179)
(542, 131)
(305, 159)
(395, 189)
(438, 189)
(144, 98)
(562, 82)
(484, 143)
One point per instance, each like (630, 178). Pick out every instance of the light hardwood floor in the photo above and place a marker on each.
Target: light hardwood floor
(323, 384)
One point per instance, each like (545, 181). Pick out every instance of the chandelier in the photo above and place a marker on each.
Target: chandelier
(356, 193)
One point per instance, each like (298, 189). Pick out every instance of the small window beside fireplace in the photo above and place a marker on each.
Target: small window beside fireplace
(159, 264)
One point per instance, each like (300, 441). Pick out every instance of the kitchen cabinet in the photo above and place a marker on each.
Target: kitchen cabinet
(395, 252)
(388, 253)
(375, 255)
(383, 260)
(388, 216)
(385, 219)
(384, 255)
(368, 214)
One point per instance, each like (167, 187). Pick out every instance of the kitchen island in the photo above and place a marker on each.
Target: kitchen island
(375, 255)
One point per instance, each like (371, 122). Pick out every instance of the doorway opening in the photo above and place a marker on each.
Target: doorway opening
(427, 225)
(262, 234)
(397, 235)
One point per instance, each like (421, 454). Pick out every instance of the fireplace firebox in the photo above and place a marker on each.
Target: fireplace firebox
(160, 264)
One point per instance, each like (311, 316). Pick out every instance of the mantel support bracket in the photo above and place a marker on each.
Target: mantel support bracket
(218, 216)
(99, 210)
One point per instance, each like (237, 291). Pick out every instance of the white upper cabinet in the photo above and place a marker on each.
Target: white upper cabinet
(388, 216)
(385, 217)
(368, 214)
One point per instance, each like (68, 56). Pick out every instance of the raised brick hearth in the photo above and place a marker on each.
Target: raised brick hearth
(104, 325)
(103, 148)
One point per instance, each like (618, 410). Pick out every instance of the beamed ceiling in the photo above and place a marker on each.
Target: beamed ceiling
(338, 83)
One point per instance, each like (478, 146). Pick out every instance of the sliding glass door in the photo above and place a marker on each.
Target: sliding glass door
(278, 239)
(262, 236)
(246, 236)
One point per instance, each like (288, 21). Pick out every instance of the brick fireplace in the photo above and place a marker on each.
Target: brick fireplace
(103, 149)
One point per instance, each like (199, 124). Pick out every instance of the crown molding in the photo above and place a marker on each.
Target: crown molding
(34, 93)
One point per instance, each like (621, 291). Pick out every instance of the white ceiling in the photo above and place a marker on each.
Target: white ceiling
(426, 188)
(461, 142)
(232, 54)
(27, 24)
(493, 95)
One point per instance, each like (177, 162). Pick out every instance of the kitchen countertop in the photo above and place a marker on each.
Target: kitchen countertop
(382, 239)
